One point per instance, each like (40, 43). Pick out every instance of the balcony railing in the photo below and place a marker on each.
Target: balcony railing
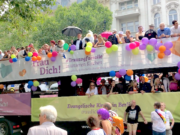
(126, 12)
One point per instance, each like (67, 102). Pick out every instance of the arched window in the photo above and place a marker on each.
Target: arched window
(172, 16)
(79, 1)
(64, 3)
(157, 20)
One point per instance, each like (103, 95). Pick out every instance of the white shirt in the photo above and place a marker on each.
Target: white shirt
(77, 44)
(96, 132)
(175, 31)
(166, 84)
(43, 52)
(53, 48)
(20, 53)
(95, 91)
(104, 91)
(158, 123)
(168, 117)
(1, 55)
(112, 113)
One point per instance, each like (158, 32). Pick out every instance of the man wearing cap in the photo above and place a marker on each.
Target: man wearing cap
(121, 37)
(151, 33)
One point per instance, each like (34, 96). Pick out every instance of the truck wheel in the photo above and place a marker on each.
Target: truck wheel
(4, 129)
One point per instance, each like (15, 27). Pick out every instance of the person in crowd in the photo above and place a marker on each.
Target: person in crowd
(93, 123)
(6, 56)
(26, 51)
(86, 41)
(120, 86)
(103, 116)
(168, 117)
(173, 86)
(113, 89)
(47, 117)
(1, 55)
(163, 32)
(105, 39)
(40, 52)
(80, 91)
(53, 46)
(92, 90)
(133, 112)
(60, 92)
(14, 51)
(128, 38)
(21, 88)
(9, 52)
(18, 49)
(158, 124)
(121, 37)
(144, 86)
(133, 88)
(157, 87)
(78, 42)
(114, 37)
(140, 33)
(175, 29)
(102, 89)
(166, 82)
(95, 39)
(59, 47)
(100, 43)
(46, 49)
(151, 33)
(21, 53)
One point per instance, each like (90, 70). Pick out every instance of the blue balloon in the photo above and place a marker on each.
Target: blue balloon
(127, 78)
(14, 59)
(27, 58)
(69, 49)
(30, 84)
(112, 73)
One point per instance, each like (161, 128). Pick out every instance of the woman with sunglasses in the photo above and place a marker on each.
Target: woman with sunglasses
(92, 90)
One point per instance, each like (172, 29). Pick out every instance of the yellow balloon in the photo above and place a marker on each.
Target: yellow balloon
(88, 48)
(89, 44)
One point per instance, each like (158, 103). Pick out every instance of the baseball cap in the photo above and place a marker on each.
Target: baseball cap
(151, 25)
(120, 32)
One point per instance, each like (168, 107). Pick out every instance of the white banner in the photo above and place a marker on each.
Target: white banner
(80, 64)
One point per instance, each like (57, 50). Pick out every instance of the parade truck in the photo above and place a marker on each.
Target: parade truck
(20, 111)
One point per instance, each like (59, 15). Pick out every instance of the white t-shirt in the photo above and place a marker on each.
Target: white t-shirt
(96, 132)
(95, 91)
(20, 53)
(175, 31)
(112, 113)
(168, 117)
(43, 52)
(53, 48)
(77, 44)
(1, 55)
(104, 91)
(158, 123)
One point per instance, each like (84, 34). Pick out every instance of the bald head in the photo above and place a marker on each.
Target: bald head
(107, 106)
(162, 26)
(133, 103)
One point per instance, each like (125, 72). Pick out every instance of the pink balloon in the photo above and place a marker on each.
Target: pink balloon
(98, 82)
(108, 44)
(79, 81)
(10, 60)
(35, 54)
(132, 45)
(137, 44)
(99, 78)
(179, 71)
(54, 53)
(118, 75)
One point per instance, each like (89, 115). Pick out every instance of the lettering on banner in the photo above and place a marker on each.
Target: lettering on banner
(3, 104)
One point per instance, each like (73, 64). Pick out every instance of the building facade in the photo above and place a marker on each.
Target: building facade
(129, 14)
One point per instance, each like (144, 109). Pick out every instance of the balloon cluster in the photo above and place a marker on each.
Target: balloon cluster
(127, 74)
(34, 56)
(75, 80)
(177, 75)
(133, 47)
(33, 85)
(52, 55)
(89, 48)
(13, 58)
(164, 49)
(110, 47)
(72, 49)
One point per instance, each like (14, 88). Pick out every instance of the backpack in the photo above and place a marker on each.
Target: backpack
(113, 39)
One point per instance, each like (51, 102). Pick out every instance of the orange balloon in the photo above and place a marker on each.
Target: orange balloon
(129, 72)
(87, 53)
(1, 86)
(49, 55)
(161, 55)
(39, 58)
(34, 58)
(162, 49)
(146, 79)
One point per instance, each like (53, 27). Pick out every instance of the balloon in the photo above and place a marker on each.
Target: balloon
(98, 82)
(33, 88)
(114, 47)
(99, 78)
(112, 73)
(27, 58)
(153, 41)
(39, 58)
(178, 64)
(73, 84)
(49, 55)
(1, 86)
(28, 86)
(108, 44)
(74, 77)
(30, 83)
(129, 72)
(145, 40)
(71, 52)
(108, 50)
(79, 81)
(118, 75)
(30, 54)
(146, 79)
(65, 46)
(122, 72)
(87, 53)
(73, 47)
(88, 49)
(89, 44)
(13, 56)
(69, 49)
(179, 71)
(135, 51)
(53, 59)
(168, 45)
(10, 60)
(127, 78)
(142, 47)
(149, 48)
(162, 49)
(54, 53)
(167, 52)
(34, 58)
(137, 43)
(14, 59)
(157, 46)
(35, 83)
(177, 76)
(35, 54)
(132, 45)
(127, 48)
(161, 55)
(93, 50)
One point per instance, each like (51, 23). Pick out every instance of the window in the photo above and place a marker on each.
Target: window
(123, 27)
(123, 6)
(136, 3)
(136, 26)
(156, 1)
(130, 26)
(129, 4)
(79, 1)
(157, 20)
(172, 16)
(64, 3)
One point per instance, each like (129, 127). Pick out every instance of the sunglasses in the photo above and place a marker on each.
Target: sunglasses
(92, 85)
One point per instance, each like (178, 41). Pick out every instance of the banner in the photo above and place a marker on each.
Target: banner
(15, 104)
(80, 64)
(80, 107)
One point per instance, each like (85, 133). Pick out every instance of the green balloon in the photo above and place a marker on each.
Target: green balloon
(29, 54)
(74, 77)
(88, 48)
(135, 51)
(65, 46)
(108, 50)
(71, 52)
(13, 56)
(114, 47)
(36, 83)
(149, 48)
